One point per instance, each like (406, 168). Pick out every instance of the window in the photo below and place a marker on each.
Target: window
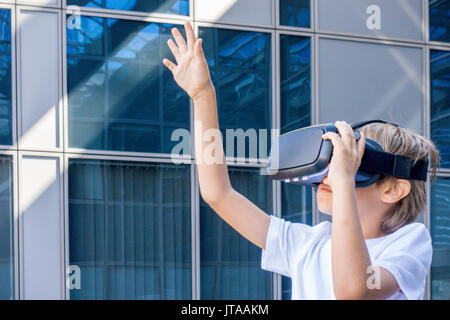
(361, 81)
(241, 68)
(120, 95)
(5, 78)
(439, 20)
(6, 229)
(295, 78)
(180, 7)
(130, 229)
(394, 19)
(440, 233)
(230, 264)
(295, 13)
(296, 206)
(440, 103)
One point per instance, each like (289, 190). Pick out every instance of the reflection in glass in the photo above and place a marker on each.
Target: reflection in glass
(440, 233)
(121, 97)
(440, 103)
(230, 264)
(296, 207)
(180, 7)
(295, 77)
(6, 229)
(295, 13)
(439, 20)
(5, 78)
(130, 230)
(240, 67)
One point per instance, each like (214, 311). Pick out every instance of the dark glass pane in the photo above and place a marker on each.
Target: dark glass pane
(296, 206)
(230, 264)
(440, 233)
(121, 97)
(240, 66)
(5, 78)
(439, 20)
(440, 103)
(130, 230)
(295, 77)
(295, 13)
(161, 6)
(6, 229)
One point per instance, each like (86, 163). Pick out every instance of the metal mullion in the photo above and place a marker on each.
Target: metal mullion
(136, 14)
(106, 13)
(195, 198)
(276, 125)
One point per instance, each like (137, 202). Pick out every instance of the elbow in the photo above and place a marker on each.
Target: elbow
(214, 197)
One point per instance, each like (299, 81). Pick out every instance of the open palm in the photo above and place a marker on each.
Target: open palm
(191, 71)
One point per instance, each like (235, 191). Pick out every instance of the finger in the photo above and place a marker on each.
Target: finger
(180, 40)
(347, 134)
(361, 147)
(198, 49)
(169, 64)
(189, 35)
(175, 51)
(335, 139)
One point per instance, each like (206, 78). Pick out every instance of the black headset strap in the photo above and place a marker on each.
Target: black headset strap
(394, 165)
(391, 164)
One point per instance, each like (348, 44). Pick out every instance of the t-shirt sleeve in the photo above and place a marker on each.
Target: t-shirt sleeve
(408, 259)
(286, 244)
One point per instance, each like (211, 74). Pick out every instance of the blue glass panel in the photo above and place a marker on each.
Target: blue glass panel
(6, 229)
(240, 67)
(130, 230)
(296, 206)
(440, 103)
(121, 97)
(440, 233)
(5, 78)
(440, 20)
(230, 264)
(161, 6)
(295, 77)
(295, 13)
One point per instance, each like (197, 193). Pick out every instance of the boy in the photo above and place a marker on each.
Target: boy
(371, 250)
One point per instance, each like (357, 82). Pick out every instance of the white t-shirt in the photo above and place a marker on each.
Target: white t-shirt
(303, 253)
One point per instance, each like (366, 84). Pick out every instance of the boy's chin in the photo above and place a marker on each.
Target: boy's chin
(324, 205)
(326, 211)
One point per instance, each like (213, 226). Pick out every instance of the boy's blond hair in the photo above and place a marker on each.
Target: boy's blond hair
(403, 142)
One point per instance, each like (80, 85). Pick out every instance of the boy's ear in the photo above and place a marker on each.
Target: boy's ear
(395, 189)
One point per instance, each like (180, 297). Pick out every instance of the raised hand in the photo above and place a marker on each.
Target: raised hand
(191, 70)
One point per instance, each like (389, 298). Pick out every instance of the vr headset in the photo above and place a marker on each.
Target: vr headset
(302, 157)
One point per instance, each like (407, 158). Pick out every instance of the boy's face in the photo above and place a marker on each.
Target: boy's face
(367, 198)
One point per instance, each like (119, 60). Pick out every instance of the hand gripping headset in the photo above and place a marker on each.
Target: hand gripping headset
(302, 157)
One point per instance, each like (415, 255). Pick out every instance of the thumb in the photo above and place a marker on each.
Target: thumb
(198, 50)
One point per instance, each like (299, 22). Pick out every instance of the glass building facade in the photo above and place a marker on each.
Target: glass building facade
(92, 203)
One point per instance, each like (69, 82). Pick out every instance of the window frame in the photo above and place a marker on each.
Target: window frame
(15, 227)
(194, 194)
(367, 37)
(67, 148)
(129, 13)
(312, 19)
(14, 143)
(427, 29)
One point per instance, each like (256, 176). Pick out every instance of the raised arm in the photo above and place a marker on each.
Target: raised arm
(192, 74)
